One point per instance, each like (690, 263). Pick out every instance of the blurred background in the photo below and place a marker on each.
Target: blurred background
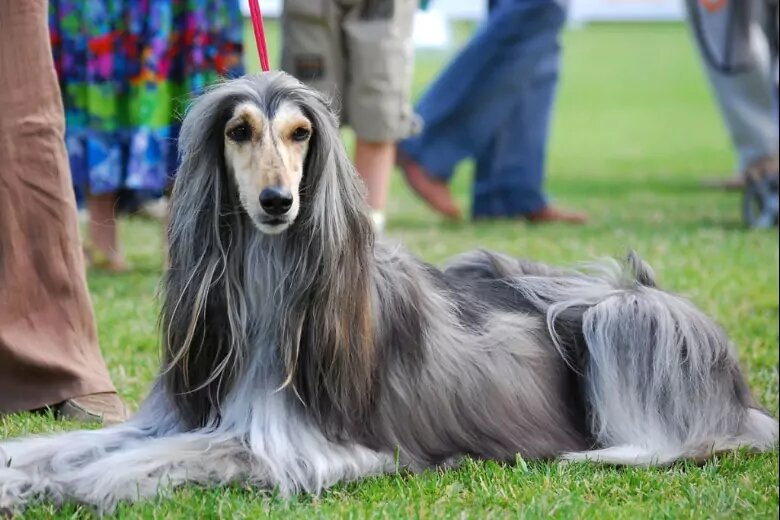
(580, 10)
(634, 117)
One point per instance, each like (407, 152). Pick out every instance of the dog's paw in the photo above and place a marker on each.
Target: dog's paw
(572, 457)
(16, 488)
(623, 455)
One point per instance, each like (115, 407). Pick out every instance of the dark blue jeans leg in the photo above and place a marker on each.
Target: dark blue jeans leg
(509, 175)
(471, 101)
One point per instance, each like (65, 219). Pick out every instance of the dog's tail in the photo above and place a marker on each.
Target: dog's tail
(661, 378)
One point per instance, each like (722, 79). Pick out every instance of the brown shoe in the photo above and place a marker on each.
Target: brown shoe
(105, 408)
(551, 215)
(735, 183)
(433, 191)
(759, 168)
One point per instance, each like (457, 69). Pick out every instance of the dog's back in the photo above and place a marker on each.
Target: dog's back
(660, 379)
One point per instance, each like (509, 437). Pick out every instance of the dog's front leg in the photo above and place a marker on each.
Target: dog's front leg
(134, 471)
(26, 462)
(68, 450)
(161, 464)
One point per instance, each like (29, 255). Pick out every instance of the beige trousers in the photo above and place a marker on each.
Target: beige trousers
(48, 343)
(360, 53)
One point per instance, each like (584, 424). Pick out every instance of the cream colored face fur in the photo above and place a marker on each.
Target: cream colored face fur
(264, 153)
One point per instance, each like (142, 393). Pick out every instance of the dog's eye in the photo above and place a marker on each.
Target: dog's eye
(240, 133)
(301, 134)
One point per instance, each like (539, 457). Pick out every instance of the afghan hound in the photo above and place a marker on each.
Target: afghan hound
(299, 351)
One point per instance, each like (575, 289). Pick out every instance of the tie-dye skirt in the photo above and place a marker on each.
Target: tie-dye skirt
(127, 69)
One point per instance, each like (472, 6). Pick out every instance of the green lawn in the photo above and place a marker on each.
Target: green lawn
(635, 130)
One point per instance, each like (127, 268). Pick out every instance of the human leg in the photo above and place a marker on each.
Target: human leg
(374, 163)
(379, 53)
(510, 170)
(472, 110)
(105, 249)
(48, 343)
(468, 103)
(738, 60)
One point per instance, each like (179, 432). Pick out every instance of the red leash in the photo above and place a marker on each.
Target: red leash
(257, 25)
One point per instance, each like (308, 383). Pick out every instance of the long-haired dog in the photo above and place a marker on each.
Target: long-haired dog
(299, 352)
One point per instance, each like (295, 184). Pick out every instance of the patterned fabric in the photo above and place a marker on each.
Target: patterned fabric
(127, 69)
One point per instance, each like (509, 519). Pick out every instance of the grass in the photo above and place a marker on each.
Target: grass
(634, 132)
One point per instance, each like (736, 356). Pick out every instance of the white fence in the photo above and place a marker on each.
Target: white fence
(583, 11)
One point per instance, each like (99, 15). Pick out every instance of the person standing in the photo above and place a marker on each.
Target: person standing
(127, 70)
(737, 43)
(49, 354)
(361, 52)
(493, 103)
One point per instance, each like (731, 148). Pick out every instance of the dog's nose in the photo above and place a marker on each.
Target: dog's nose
(276, 201)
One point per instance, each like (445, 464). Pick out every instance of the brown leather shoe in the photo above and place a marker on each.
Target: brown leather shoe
(735, 183)
(433, 191)
(550, 214)
(760, 167)
(105, 408)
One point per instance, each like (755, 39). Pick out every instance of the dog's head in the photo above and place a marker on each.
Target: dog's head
(264, 155)
(270, 145)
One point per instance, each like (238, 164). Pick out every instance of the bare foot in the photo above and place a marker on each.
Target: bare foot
(96, 259)
(433, 191)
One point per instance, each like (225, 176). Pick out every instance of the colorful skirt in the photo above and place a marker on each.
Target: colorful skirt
(127, 69)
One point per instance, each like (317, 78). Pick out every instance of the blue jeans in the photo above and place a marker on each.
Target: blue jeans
(493, 103)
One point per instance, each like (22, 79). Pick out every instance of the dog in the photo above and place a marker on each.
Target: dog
(300, 351)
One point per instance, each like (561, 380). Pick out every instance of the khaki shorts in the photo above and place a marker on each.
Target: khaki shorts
(360, 53)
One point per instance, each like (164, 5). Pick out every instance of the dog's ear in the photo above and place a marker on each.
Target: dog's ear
(330, 355)
(202, 312)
